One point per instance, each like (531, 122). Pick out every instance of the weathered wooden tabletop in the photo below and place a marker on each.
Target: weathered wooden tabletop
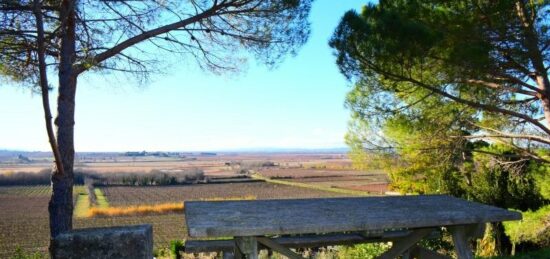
(309, 216)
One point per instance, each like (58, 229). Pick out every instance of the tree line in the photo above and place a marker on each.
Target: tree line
(84, 177)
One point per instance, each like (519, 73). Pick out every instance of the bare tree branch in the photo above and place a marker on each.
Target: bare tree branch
(144, 36)
(44, 87)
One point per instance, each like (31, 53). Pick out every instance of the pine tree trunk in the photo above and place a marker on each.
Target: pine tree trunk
(544, 85)
(61, 202)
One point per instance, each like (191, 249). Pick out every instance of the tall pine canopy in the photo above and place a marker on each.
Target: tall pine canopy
(486, 61)
(452, 97)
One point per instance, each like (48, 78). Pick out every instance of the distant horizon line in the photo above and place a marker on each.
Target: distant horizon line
(230, 150)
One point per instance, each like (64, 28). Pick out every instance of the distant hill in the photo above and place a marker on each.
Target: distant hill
(16, 153)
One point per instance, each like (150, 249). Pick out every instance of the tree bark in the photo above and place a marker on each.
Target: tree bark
(61, 202)
(546, 105)
(536, 56)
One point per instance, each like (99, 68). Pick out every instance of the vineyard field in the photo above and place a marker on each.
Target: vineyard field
(24, 209)
(120, 196)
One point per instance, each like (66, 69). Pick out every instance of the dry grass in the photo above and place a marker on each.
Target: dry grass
(247, 197)
(157, 209)
(136, 210)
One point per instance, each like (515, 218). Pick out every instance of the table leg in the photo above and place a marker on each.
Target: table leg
(423, 253)
(247, 246)
(406, 254)
(400, 246)
(476, 230)
(460, 240)
(228, 255)
(237, 253)
(279, 248)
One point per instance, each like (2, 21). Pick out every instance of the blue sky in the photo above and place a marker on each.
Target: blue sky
(300, 104)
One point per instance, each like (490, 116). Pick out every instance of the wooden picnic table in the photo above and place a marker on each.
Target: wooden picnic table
(253, 221)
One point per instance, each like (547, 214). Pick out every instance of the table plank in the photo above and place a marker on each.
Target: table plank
(327, 215)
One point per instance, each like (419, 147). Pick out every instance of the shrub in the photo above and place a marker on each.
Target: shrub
(253, 165)
(533, 228)
(20, 254)
(175, 247)
(363, 251)
(162, 253)
(543, 253)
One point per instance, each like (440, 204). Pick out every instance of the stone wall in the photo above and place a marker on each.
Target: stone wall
(114, 242)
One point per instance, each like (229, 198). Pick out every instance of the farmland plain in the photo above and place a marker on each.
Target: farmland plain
(24, 214)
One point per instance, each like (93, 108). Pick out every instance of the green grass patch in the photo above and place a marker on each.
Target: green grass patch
(102, 201)
(82, 205)
(543, 253)
(79, 189)
(20, 254)
(312, 186)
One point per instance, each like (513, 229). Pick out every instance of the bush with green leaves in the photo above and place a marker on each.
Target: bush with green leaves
(20, 254)
(537, 254)
(176, 246)
(363, 251)
(534, 228)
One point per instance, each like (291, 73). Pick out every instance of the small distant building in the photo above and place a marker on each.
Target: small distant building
(23, 158)
(207, 154)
